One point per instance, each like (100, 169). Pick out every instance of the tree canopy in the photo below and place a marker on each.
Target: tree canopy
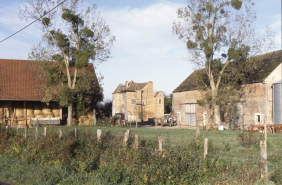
(74, 37)
(216, 33)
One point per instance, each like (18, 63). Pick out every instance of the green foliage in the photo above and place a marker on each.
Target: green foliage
(69, 16)
(191, 44)
(168, 104)
(201, 102)
(46, 21)
(236, 4)
(249, 139)
(105, 109)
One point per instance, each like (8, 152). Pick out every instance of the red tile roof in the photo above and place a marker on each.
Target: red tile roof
(20, 80)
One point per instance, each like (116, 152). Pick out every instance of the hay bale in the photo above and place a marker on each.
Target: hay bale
(56, 112)
(19, 113)
(30, 113)
(39, 116)
(1, 113)
(90, 115)
(81, 120)
(46, 111)
(49, 116)
(74, 122)
(7, 112)
(37, 112)
(37, 109)
(22, 122)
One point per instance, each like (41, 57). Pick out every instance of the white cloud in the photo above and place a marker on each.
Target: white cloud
(145, 49)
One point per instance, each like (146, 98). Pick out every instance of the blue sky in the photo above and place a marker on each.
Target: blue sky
(145, 48)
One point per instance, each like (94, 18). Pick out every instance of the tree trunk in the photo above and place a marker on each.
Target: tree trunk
(69, 120)
(215, 106)
(216, 114)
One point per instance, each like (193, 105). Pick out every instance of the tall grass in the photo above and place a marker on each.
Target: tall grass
(84, 160)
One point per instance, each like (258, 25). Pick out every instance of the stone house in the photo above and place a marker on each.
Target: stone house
(21, 95)
(261, 95)
(138, 101)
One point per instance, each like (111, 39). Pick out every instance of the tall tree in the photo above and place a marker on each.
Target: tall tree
(216, 33)
(73, 36)
(167, 103)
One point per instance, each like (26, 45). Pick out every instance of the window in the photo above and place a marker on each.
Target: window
(160, 101)
(134, 101)
(143, 102)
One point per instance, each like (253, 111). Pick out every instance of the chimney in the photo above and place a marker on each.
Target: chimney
(126, 84)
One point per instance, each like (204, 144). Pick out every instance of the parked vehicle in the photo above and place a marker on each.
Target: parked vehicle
(170, 119)
(118, 119)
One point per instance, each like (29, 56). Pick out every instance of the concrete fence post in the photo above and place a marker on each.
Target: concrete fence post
(136, 142)
(265, 129)
(263, 156)
(60, 132)
(99, 134)
(75, 132)
(197, 130)
(126, 136)
(36, 132)
(206, 147)
(24, 132)
(45, 131)
(160, 140)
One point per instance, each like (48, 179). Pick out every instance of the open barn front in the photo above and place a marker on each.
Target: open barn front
(27, 113)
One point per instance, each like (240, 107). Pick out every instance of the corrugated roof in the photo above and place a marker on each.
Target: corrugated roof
(261, 66)
(20, 80)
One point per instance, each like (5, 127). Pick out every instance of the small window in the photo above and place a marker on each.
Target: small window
(258, 117)
(143, 102)
(133, 101)
(160, 101)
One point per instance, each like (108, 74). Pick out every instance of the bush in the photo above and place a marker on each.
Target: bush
(249, 139)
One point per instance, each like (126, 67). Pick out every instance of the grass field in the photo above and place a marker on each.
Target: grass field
(233, 158)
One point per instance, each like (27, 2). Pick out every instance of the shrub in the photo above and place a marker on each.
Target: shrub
(249, 139)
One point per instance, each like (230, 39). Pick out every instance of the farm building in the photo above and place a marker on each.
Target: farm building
(22, 91)
(138, 101)
(260, 100)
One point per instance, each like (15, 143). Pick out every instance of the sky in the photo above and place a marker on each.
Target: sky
(145, 48)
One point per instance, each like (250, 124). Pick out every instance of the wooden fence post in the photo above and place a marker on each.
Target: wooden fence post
(263, 156)
(265, 129)
(197, 130)
(99, 134)
(45, 131)
(60, 132)
(17, 129)
(24, 132)
(206, 147)
(36, 132)
(75, 134)
(136, 142)
(160, 139)
(126, 136)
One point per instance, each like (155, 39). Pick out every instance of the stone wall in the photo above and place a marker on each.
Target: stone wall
(122, 103)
